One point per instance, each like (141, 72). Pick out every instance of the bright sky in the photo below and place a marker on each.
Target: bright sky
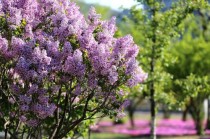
(114, 4)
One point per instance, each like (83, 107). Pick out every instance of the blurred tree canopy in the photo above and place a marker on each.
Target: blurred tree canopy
(174, 50)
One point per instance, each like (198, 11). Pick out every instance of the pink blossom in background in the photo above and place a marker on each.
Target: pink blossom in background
(165, 127)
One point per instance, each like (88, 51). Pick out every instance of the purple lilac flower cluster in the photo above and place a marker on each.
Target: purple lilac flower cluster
(54, 50)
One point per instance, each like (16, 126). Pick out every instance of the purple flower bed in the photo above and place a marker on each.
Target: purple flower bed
(165, 127)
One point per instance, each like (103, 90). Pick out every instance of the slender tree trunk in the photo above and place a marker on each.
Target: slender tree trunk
(152, 94)
(199, 121)
(152, 69)
(208, 117)
(197, 111)
(199, 126)
(184, 115)
(153, 112)
(152, 89)
(131, 109)
(131, 116)
(166, 112)
(186, 110)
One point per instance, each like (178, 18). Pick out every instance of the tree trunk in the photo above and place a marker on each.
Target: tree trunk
(131, 116)
(208, 118)
(199, 122)
(197, 112)
(184, 114)
(153, 112)
(199, 127)
(152, 69)
(166, 112)
(200, 118)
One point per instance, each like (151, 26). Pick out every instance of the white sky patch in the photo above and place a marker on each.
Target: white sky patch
(114, 4)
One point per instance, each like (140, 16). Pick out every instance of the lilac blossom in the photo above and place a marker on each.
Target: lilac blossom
(58, 62)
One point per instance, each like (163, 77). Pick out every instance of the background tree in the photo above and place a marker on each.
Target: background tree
(197, 89)
(159, 25)
(192, 66)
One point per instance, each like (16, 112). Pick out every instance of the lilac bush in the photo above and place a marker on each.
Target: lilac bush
(58, 69)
